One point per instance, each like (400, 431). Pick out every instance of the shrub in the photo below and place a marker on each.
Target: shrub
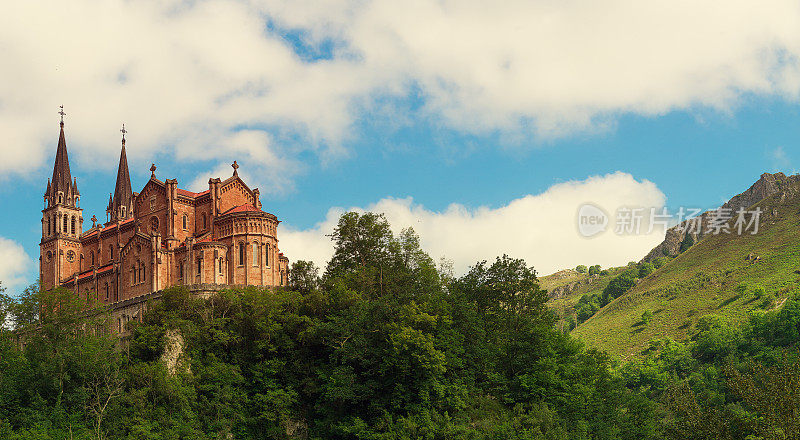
(759, 291)
(687, 242)
(594, 270)
(581, 269)
(659, 262)
(647, 316)
(646, 269)
(618, 286)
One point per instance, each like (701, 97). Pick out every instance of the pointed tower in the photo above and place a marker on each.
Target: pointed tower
(120, 205)
(62, 221)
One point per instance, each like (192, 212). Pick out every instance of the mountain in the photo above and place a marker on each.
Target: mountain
(730, 275)
(764, 187)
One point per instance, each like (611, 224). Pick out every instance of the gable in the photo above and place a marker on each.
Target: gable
(233, 193)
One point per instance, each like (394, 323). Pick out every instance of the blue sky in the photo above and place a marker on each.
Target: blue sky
(478, 143)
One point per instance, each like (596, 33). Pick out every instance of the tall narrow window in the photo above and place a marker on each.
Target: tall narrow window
(49, 226)
(266, 255)
(204, 221)
(220, 265)
(241, 254)
(105, 286)
(255, 254)
(141, 272)
(180, 270)
(122, 208)
(72, 226)
(91, 255)
(65, 229)
(111, 252)
(199, 266)
(133, 275)
(185, 221)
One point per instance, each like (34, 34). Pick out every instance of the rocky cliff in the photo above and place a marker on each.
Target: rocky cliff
(764, 187)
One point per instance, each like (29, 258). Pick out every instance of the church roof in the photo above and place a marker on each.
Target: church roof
(242, 208)
(122, 191)
(62, 179)
(193, 195)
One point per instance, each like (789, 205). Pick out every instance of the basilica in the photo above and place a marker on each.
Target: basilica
(159, 237)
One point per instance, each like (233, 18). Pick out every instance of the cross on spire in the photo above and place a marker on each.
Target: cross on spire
(123, 131)
(61, 112)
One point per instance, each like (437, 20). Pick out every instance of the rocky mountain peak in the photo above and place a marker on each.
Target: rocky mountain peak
(767, 185)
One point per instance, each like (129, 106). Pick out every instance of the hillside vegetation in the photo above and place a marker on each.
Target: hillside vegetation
(384, 346)
(381, 346)
(565, 289)
(713, 276)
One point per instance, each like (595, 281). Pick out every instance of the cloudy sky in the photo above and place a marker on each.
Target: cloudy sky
(484, 125)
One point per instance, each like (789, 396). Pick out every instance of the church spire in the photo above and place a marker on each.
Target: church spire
(62, 179)
(121, 202)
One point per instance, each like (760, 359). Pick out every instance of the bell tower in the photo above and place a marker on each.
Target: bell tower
(62, 221)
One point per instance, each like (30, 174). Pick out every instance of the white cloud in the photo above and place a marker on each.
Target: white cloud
(186, 76)
(540, 228)
(14, 263)
(260, 162)
(780, 161)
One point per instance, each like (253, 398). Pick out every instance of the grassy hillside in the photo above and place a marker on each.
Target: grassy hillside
(712, 277)
(583, 283)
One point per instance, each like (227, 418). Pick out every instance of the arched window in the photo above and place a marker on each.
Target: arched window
(65, 229)
(200, 267)
(110, 252)
(266, 255)
(154, 224)
(72, 225)
(141, 272)
(60, 199)
(220, 265)
(204, 221)
(255, 254)
(133, 275)
(180, 270)
(77, 202)
(49, 226)
(241, 254)
(185, 221)
(122, 208)
(91, 256)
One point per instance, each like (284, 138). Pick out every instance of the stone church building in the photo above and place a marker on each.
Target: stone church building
(159, 237)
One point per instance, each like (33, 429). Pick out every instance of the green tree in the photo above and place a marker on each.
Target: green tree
(581, 269)
(618, 286)
(304, 277)
(646, 269)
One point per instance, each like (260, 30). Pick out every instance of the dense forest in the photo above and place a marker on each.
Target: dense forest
(383, 344)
